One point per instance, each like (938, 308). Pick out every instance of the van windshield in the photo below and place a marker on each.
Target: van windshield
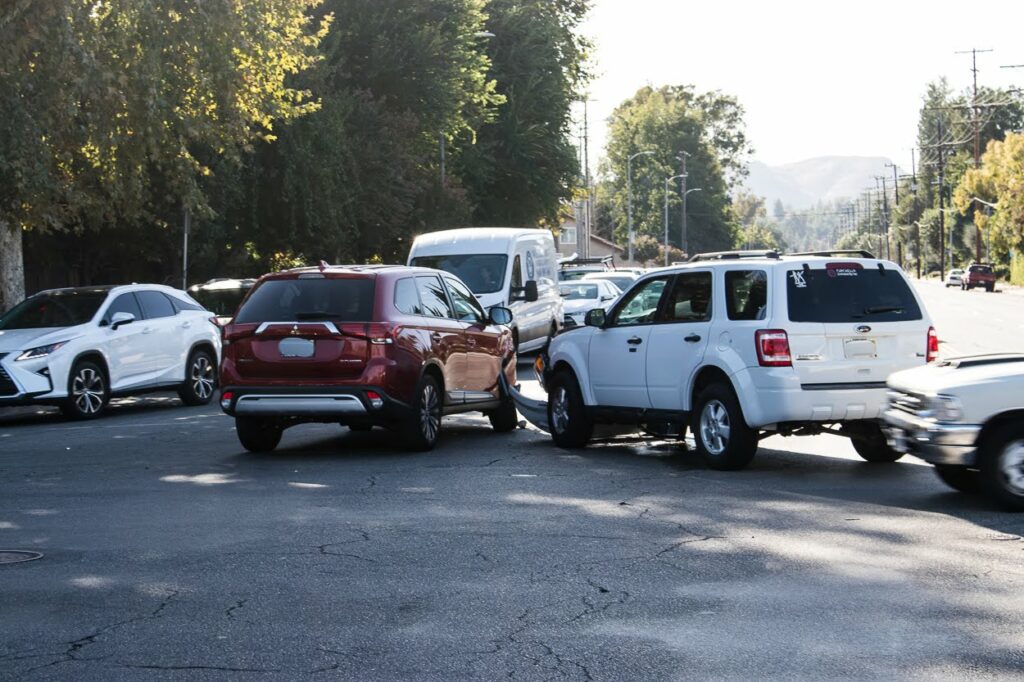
(483, 273)
(850, 293)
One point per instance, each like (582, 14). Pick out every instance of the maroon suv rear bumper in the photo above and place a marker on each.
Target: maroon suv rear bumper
(363, 405)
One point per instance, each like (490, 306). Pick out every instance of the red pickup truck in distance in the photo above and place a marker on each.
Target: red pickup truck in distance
(979, 275)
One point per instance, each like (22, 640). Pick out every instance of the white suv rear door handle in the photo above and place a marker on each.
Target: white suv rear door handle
(692, 338)
(635, 341)
(186, 325)
(147, 330)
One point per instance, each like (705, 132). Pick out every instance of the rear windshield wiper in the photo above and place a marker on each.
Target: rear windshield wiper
(881, 309)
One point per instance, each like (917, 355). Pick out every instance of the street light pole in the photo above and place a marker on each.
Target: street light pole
(667, 181)
(683, 241)
(686, 194)
(629, 199)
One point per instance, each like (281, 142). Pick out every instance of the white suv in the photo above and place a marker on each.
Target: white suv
(740, 345)
(77, 348)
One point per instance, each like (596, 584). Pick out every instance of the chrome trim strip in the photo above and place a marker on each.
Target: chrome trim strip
(329, 325)
(256, 404)
(852, 386)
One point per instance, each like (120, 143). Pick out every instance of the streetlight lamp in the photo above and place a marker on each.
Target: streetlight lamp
(629, 198)
(684, 239)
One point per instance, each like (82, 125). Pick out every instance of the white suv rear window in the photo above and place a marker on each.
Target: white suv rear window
(849, 292)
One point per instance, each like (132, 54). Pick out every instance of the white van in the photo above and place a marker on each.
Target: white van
(512, 267)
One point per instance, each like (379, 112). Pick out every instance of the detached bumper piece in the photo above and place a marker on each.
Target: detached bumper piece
(535, 411)
(953, 444)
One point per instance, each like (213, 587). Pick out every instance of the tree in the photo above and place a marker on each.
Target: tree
(999, 180)
(358, 178)
(519, 168)
(670, 120)
(116, 110)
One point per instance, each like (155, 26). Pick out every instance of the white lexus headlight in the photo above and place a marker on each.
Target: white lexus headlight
(41, 351)
(946, 408)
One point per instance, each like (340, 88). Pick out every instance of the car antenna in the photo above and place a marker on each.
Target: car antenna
(324, 265)
(881, 268)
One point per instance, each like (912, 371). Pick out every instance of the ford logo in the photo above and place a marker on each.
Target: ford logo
(863, 329)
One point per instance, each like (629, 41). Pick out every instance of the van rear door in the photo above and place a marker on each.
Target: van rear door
(852, 324)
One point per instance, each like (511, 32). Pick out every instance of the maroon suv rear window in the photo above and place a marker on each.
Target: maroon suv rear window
(298, 300)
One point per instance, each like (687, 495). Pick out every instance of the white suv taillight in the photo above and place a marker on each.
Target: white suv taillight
(933, 345)
(773, 348)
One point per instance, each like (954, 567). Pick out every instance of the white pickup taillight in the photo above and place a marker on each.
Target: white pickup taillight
(773, 348)
(933, 345)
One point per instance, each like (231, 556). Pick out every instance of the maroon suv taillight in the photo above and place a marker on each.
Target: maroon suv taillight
(773, 348)
(933, 345)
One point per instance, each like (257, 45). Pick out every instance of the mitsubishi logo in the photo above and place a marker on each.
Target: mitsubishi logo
(863, 329)
(295, 329)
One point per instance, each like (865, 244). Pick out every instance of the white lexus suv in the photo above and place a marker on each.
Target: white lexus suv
(738, 346)
(77, 348)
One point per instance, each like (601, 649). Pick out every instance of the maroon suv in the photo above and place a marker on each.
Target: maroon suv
(364, 346)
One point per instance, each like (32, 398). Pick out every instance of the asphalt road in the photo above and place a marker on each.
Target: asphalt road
(169, 553)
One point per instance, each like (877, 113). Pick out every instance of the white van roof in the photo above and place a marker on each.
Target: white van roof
(473, 240)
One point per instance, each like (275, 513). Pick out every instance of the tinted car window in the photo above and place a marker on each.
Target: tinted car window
(849, 293)
(984, 269)
(65, 309)
(432, 296)
(180, 304)
(484, 273)
(467, 308)
(125, 303)
(641, 304)
(746, 294)
(300, 300)
(406, 298)
(221, 301)
(689, 300)
(579, 292)
(155, 305)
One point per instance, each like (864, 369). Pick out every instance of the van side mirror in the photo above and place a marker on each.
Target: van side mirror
(530, 291)
(120, 319)
(595, 318)
(500, 315)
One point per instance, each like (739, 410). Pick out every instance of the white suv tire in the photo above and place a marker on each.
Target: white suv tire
(571, 426)
(724, 441)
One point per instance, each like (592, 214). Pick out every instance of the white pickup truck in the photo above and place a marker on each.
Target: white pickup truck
(965, 416)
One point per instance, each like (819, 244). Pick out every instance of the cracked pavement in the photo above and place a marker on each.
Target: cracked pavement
(172, 554)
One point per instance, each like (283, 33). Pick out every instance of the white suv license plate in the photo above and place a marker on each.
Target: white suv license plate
(296, 348)
(860, 349)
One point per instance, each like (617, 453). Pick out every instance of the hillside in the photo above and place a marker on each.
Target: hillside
(804, 183)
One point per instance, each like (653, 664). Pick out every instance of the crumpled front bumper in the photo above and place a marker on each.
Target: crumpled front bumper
(952, 444)
(534, 411)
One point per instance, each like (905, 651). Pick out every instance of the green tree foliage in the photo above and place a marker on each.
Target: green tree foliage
(999, 180)
(360, 176)
(519, 167)
(115, 110)
(670, 120)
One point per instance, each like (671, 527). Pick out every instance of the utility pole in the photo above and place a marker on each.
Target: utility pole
(684, 241)
(976, 122)
(629, 199)
(896, 205)
(186, 227)
(942, 206)
(913, 188)
(583, 240)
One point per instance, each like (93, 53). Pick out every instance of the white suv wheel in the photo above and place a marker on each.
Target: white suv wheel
(714, 427)
(1011, 464)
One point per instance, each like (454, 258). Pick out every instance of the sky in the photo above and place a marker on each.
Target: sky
(831, 77)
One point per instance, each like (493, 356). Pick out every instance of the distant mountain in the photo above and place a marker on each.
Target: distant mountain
(805, 183)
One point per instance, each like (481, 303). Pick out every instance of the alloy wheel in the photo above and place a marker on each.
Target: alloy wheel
(87, 390)
(560, 410)
(430, 419)
(202, 377)
(1011, 465)
(715, 427)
